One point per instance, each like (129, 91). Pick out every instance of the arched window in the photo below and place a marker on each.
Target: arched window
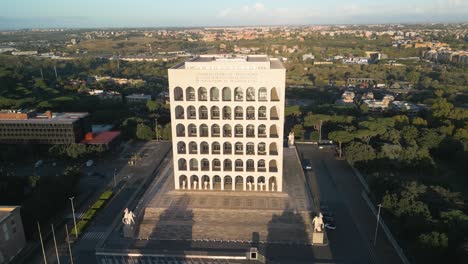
(182, 182)
(273, 186)
(193, 148)
(227, 165)
(205, 182)
(194, 182)
(250, 148)
(182, 164)
(250, 113)
(202, 94)
(273, 166)
(179, 112)
(180, 130)
(239, 131)
(178, 94)
(261, 148)
(273, 131)
(262, 113)
(274, 95)
(227, 182)
(262, 94)
(273, 149)
(191, 112)
(215, 148)
(274, 113)
(216, 182)
(250, 131)
(193, 164)
(215, 131)
(190, 94)
(262, 131)
(215, 112)
(204, 148)
(216, 165)
(239, 148)
(227, 131)
(239, 183)
(203, 130)
(239, 113)
(203, 112)
(250, 94)
(239, 165)
(250, 165)
(192, 130)
(226, 113)
(227, 148)
(205, 165)
(238, 94)
(214, 94)
(261, 165)
(226, 94)
(181, 147)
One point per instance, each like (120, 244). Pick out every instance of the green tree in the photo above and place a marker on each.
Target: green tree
(356, 151)
(340, 137)
(144, 132)
(167, 132)
(418, 121)
(153, 106)
(298, 131)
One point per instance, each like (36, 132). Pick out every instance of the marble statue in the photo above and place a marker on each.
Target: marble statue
(250, 186)
(194, 185)
(273, 186)
(206, 184)
(183, 185)
(261, 186)
(318, 223)
(128, 218)
(291, 139)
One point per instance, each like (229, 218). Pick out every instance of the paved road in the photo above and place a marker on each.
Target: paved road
(333, 182)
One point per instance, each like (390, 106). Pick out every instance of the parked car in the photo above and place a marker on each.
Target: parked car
(307, 165)
(38, 163)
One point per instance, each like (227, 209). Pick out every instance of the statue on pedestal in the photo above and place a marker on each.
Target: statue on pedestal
(129, 223)
(183, 185)
(261, 186)
(194, 185)
(250, 186)
(318, 223)
(291, 139)
(273, 186)
(205, 183)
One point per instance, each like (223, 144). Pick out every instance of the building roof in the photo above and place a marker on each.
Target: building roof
(5, 211)
(67, 118)
(102, 138)
(237, 62)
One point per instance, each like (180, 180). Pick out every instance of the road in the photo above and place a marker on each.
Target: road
(332, 182)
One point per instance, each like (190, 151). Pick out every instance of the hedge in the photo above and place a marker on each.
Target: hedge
(105, 195)
(89, 214)
(80, 226)
(98, 204)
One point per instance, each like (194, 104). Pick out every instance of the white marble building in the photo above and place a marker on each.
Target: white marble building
(227, 117)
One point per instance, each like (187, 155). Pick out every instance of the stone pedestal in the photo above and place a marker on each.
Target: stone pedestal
(129, 231)
(318, 238)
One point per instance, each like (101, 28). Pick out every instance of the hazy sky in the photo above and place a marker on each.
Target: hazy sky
(163, 13)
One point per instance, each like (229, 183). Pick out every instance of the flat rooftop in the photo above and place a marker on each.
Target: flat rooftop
(235, 62)
(9, 116)
(5, 211)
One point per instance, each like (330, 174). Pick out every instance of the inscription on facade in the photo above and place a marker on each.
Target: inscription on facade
(226, 77)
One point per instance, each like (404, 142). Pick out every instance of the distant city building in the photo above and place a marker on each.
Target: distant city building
(376, 105)
(346, 98)
(106, 95)
(227, 118)
(363, 82)
(12, 238)
(403, 106)
(138, 98)
(28, 126)
(24, 53)
(308, 57)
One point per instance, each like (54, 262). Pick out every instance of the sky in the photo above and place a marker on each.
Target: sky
(15, 14)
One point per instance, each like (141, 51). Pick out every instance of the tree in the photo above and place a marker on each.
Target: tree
(441, 108)
(418, 121)
(153, 106)
(409, 135)
(167, 132)
(298, 131)
(144, 132)
(340, 137)
(356, 151)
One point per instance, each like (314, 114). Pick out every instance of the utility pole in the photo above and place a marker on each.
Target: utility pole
(115, 182)
(42, 74)
(42, 243)
(73, 212)
(157, 134)
(377, 225)
(55, 244)
(55, 69)
(320, 131)
(68, 241)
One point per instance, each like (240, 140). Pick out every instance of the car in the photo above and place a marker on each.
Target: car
(38, 163)
(307, 165)
(89, 163)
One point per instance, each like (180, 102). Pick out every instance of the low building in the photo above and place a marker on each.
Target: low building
(106, 95)
(347, 98)
(402, 106)
(30, 127)
(12, 238)
(308, 57)
(377, 105)
(138, 98)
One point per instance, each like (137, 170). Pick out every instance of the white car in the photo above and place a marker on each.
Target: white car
(89, 163)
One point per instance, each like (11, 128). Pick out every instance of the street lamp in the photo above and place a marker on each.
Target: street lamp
(377, 224)
(115, 183)
(73, 212)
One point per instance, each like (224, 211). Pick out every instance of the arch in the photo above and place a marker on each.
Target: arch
(183, 182)
(262, 113)
(215, 112)
(227, 165)
(238, 131)
(180, 130)
(274, 113)
(193, 148)
(238, 183)
(205, 182)
(203, 130)
(205, 165)
(227, 113)
(202, 94)
(261, 165)
(261, 184)
(181, 147)
(273, 167)
(204, 148)
(215, 148)
(190, 94)
(238, 113)
(179, 112)
(178, 94)
(227, 94)
(215, 131)
(228, 182)
(250, 148)
(192, 130)
(216, 165)
(239, 148)
(250, 165)
(250, 113)
(182, 164)
(262, 133)
(261, 148)
(250, 94)
(273, 131)
(250, 131)
(191, 112)
(239, 165)
(214, 94)
(193, 164)
(227, 131)
(238, 94)
(274, 95)
(273, 149)
(250, 183)
(227, 148)
(193, 185)
(262, 94)
(203, 112)
(272, 184)
(217, 182)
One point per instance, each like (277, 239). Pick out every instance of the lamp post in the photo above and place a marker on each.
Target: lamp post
(69, 247)
(377, 224)
(73, 212)
(115, 182)
(42, 243)
(55, 244)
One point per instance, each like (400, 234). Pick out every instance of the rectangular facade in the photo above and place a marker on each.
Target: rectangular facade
(12, 239)
(227, 118)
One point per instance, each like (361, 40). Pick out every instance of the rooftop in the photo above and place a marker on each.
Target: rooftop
(5, 211)
(234, 62)
(27, 115)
